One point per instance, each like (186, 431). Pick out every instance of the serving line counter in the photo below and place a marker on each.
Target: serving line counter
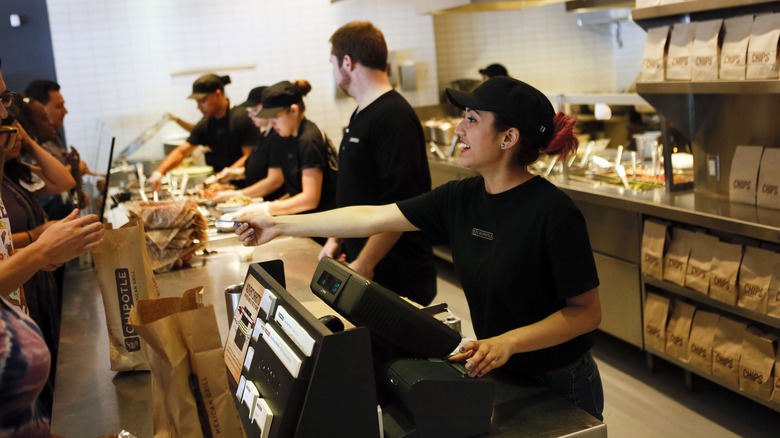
(92, 400)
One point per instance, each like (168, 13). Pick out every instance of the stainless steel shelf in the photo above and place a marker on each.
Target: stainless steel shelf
(688, 7)
(771, 86)
(722, 382)
(704, 299)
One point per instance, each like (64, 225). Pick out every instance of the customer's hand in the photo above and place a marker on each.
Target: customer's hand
(69, 238)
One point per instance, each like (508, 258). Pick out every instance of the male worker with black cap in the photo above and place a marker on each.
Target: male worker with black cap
(492, 71)
(227, 131)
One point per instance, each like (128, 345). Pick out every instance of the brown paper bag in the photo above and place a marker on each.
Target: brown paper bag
(756, 363)
(655, 316)
(776, 391)
(743, 177)
(725, 267)
(190, 392)
(762, 48)
(755, 276)
(733, 54)
(125, 276)
(706, 49)
(697, 275)
(768, 192)
(679, 330)
(700, 342)
(676, 258)
(773, 296)
(678, 61)
(727, 349)
(653, 57)
(654, 238)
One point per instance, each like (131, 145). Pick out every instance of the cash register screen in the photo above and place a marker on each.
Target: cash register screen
(390, 319)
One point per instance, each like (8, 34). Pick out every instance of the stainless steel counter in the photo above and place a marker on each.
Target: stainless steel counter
(91, 400)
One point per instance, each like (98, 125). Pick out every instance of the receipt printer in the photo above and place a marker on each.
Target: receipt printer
(439, 398)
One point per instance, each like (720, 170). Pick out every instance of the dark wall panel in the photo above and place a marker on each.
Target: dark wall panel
(26, 51)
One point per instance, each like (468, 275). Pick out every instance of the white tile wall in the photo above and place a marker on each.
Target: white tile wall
(115, 59)
(542, 46)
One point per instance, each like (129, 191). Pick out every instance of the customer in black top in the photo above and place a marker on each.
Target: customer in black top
(227, 131)
(382, 159)
(309, 163)
(519, 244)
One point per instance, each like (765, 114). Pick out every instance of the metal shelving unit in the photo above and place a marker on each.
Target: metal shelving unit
(712, 378)
(710, 87)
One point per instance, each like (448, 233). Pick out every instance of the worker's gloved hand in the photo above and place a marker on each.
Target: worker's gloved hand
(155, 180)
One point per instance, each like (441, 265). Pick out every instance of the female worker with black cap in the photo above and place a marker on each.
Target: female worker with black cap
(309, 163)
(226, 130)
(263, 167)
(519, 244)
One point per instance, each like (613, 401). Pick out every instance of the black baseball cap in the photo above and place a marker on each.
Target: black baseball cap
(254, 98)
(494, 70)
(518, 103)
(208, 84)
(279, 96)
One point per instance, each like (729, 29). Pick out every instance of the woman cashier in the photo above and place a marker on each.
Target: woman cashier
(519, 244)
(227, 131)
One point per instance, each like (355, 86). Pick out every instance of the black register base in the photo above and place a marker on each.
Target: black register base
(300, 379)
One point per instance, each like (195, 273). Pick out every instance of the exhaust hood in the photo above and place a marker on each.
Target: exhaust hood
(450, 6)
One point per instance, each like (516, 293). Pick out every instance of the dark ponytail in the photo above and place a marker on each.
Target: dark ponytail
(225, 80)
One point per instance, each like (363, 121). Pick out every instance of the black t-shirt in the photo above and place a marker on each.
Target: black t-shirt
(225, 137)
(518, 254)
(309, 150)
(382, 159)
(268, 152)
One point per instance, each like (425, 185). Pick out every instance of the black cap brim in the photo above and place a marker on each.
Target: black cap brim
(267, 113)
(463, 100)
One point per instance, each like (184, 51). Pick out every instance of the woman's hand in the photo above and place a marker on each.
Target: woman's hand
(484, 355)
(254, 230)
(24, 137)
(69, 238)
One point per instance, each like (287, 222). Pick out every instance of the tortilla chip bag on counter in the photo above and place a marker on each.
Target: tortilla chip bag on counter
(174, 230)
(190, 392)
(125, 276)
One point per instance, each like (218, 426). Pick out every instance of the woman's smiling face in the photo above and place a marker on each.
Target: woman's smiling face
(480, 142)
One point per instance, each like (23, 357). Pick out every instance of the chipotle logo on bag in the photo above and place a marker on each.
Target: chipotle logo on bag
(125, 296)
